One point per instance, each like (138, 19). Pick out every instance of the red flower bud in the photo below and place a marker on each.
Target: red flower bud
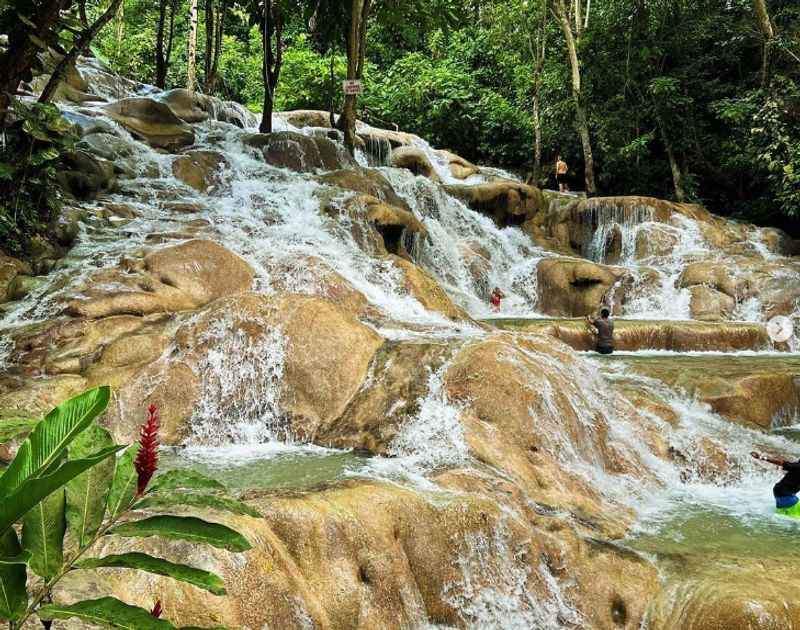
(147, 458)
(157, 610)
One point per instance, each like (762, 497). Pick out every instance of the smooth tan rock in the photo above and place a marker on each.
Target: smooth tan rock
(201, 170)
(507, 202)
(709, 274)
(574, 288)
(134, 349)
(297, 152)
(427, 291)
(10, 268)
(707, 304)
(153, 121)
(365, 181)
(306, 118)
(459, 167)
(414, 160)
(33, 398)
(189, 106)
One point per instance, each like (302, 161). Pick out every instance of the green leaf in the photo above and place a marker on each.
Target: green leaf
(186, 479)
(11, 428)
(13, 596)
(224, 504)
(26, 496)
(143, 562)
(87, 493)
(185, 528)
(43, 535)
(106, 611)
(23, 557)
(50, 438)
(123, 487)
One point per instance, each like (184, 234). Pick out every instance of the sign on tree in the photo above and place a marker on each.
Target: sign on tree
(352, 86)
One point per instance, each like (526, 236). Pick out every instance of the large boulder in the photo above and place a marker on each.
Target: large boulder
(458, 166)
(709, 274)
(84, 175)
(10, 268)
(188, 105)
(298, 152)
(306, 118)
(707, 304)
(153, 121)
(507, 202)
(176, 278)
(414, 160)
(427, 291)
(574, 288)
(201, 170)
(366, 181)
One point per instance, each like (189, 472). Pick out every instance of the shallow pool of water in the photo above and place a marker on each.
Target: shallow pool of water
(267, 466)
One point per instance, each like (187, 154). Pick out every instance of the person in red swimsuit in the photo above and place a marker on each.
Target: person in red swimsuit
(495, 298)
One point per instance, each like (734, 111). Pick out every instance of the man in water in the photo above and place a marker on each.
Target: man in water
(604, 343)
(495, 298)
(561, 174)
(785, 491)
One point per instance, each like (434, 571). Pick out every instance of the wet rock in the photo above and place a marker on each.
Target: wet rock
(296, 151)
(10, 268)
(106, 146)
(153, 121)
(322, 371)
(306, 118)
(459, 167)
(176, 278)
(189, 106)
(709, 274)
(32, 398)
(574, 288)
(414, 160)
(427, 291)
(201, 170)
(655, 240)
(85, 175)
(395, 228)
(85, 124)
(366, 181)
(507, 202)
(708, 304)
(133, 350)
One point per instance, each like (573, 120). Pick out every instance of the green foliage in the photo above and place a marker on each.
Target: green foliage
(64, 476)
(159, 566)
(108, 612)
(30, 196)
(186, 528)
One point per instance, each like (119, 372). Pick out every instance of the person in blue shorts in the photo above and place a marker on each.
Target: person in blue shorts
(785, 491)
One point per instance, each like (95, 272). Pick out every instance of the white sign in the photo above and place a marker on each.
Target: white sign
(780, 328)
(352, 87)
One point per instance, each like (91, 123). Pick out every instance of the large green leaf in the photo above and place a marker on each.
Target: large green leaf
(185, 528)
(123, 487)
(49, 439)
(106, 611)
(159, 566)
(169, 499)
(13, 596)
(185, 479)
(26, 496)
(43, 535)
(87, 493)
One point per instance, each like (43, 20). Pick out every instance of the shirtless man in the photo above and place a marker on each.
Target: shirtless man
(561, 174)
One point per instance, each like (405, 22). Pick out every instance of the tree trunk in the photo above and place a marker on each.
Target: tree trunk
(537, 142)
(82, 42)
(16, 61)
(356, 53)
(219, 29)
(120, 19)
(191, 69)
(768, 34)
(161, 62)
(271, 29)
(581, 119)
(208, 52)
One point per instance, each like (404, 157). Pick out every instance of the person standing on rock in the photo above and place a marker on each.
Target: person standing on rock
(495, 298)
(604, 343)
(785, 491)
(561, 174)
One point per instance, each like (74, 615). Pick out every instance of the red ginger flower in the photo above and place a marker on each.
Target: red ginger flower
(157, 610)
(147, 458)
